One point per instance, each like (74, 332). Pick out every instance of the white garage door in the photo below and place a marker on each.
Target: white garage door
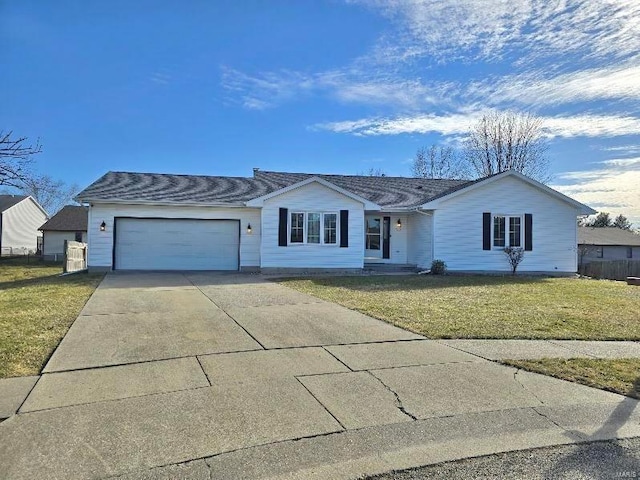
(165, 244)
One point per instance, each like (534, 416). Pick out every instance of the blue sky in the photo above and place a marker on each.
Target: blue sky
(321, 86)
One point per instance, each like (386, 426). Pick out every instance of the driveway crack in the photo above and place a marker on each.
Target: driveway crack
(515, 378)
(399, 404)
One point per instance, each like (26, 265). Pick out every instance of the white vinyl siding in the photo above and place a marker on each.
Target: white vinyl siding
(458, 228)
(420, 239)
(54, 241)
(20, 224)
(312, 197)
(101, 243)
(180, 244)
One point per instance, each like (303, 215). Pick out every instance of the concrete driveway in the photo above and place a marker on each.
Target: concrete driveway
(169, 375)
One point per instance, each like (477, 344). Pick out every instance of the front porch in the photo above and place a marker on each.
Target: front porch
(395, 241)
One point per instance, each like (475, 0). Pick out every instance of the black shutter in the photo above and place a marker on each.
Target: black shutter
(528, 232)
(344, 228)
(282, 227)
(486, 231)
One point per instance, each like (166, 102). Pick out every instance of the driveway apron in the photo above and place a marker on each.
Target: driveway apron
(234, 376)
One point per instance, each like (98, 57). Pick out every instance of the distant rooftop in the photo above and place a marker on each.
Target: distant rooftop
(70, 218)
(8, 201)
(607, 236)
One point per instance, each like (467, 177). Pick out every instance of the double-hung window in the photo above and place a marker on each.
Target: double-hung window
(330, 228)
(319, 228)
(507, 231)
(297, 228)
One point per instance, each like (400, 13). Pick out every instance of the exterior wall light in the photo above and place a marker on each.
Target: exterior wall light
(249, 229)
(103, 226)
(399, 225)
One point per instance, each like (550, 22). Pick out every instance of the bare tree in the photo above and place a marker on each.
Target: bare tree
(51, 194)
(515, 255)
(373, 172)
(510, 140)
(437, 162)
(15, 158)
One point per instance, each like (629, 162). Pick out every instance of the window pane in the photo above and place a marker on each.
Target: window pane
(498, 232)
(373, 225)
(313, 228)
(330, 228)
(629, 252)
(297, 227)
(514, 231)
(373, 242)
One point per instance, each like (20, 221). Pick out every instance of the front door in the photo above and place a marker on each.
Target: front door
(373, 237)
(386, 237)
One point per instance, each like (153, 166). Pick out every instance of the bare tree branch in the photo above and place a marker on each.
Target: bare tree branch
(507, 141)
(15, 158)
(437, 162)
(51, 194)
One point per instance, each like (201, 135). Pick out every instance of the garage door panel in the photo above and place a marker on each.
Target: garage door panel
(172, 244)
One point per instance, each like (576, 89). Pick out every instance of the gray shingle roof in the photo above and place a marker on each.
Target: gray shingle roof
(8, 201)
(388, 192)
(157, 187)
(607, 236)
(71, 218)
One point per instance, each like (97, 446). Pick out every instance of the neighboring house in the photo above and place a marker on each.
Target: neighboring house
(70, 223)
(20, 217)
(607, 243)
(282, 221)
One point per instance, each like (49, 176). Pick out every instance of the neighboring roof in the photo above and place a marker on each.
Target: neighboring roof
(388, 192)
(167, 188)
(8, 201)
(434, 202)
(607, 236)
(69, 218)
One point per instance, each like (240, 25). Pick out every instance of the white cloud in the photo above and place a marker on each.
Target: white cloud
(614, 187)
(267, 89)
(624, 149)
(451, 29)
(451, 124)
(591, 126)
(537, 88)
(459, 123)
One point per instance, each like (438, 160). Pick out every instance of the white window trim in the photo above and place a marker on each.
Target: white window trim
(304, 228)
(507, 236)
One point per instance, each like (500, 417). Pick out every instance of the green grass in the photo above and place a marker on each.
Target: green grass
(37, 307)
(474, 306)
(619, 375)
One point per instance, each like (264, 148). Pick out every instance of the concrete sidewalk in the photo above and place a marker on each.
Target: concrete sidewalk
(535, 349)
(230, 376)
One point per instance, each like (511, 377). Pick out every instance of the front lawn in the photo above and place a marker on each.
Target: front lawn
(621, 375)
(475, 306)
(37, 307)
